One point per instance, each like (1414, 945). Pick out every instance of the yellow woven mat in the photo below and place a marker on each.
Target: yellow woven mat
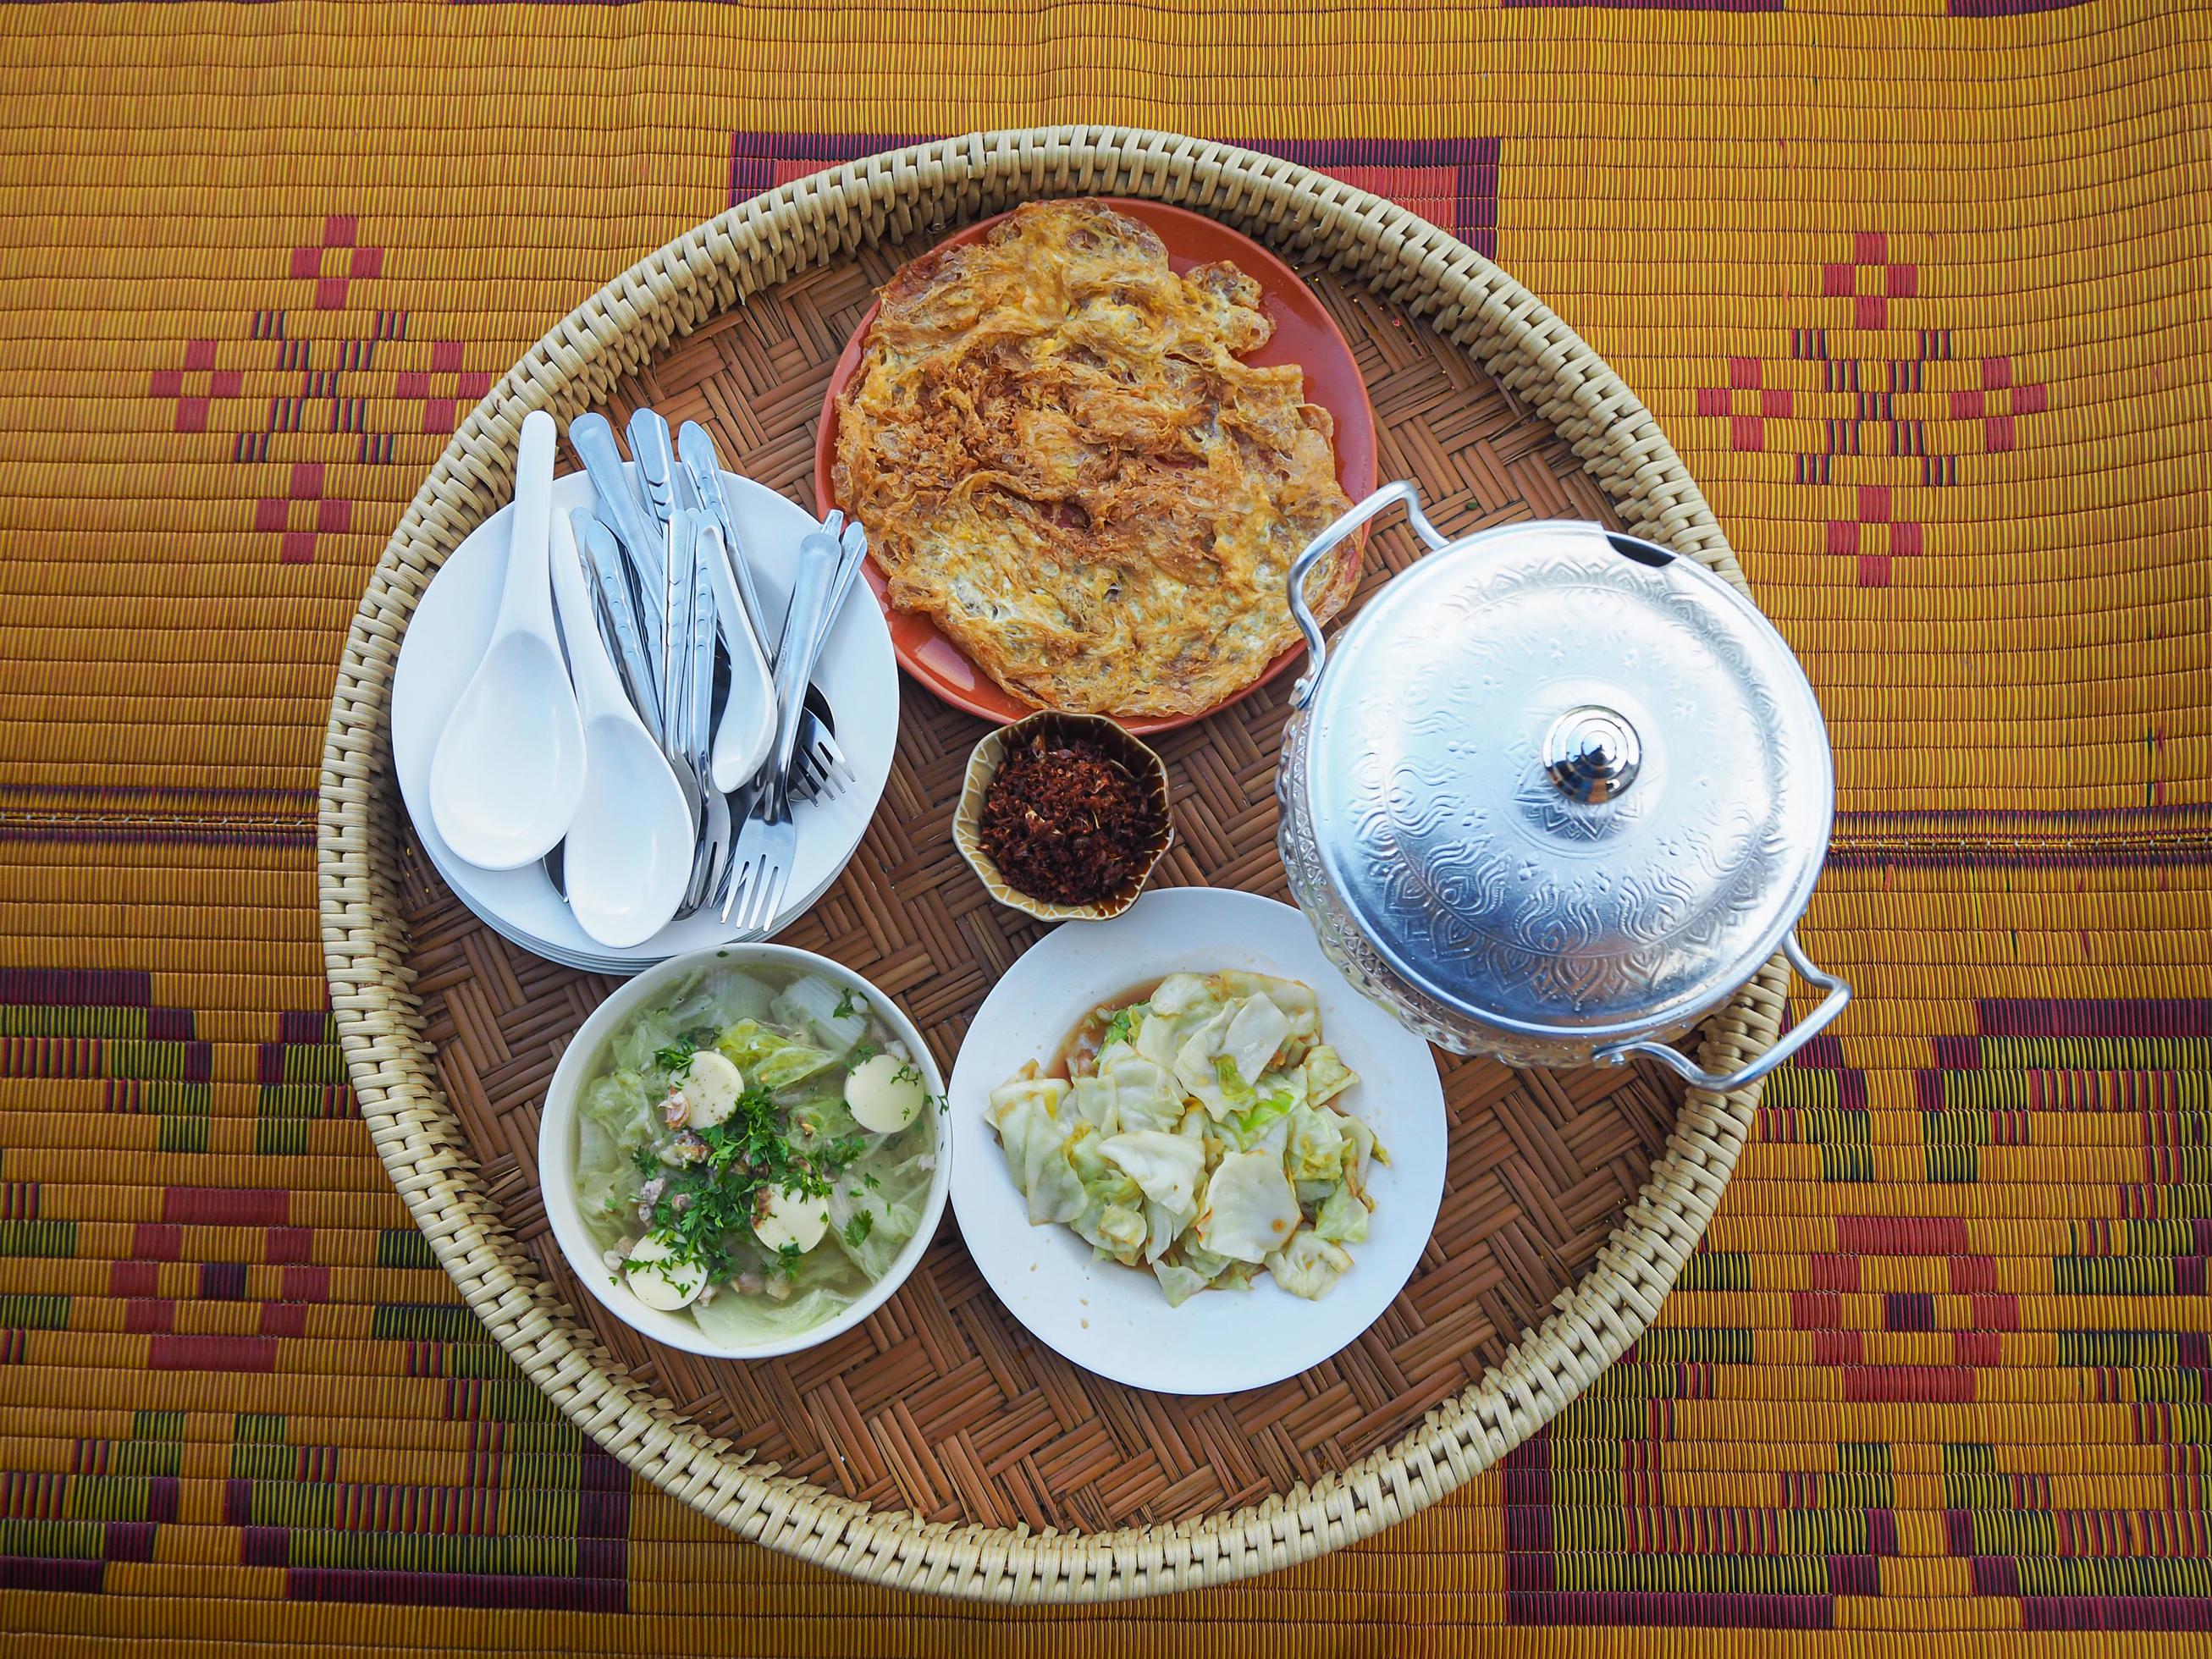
(1916, 290)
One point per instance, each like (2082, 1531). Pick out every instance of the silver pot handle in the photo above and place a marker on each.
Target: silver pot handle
(1798, 1037)
(1319, 548)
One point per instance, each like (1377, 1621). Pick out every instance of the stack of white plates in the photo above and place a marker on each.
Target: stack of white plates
(447, 639)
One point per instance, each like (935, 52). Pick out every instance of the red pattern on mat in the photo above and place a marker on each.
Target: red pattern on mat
(1874, 403)
(318, 390)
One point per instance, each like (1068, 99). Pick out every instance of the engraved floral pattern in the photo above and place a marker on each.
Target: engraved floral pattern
(1457, 853)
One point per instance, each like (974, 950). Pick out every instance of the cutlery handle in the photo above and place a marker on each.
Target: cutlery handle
(795, 664)
(604, 554)
(696, 449)
(852, 553)
(676, 632)
(593, 441)
(702, 717)
(650, 447)
(590, 666)
(526, 597)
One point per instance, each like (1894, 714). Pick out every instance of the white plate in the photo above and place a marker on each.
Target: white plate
(1115, 1320)
(447, 639)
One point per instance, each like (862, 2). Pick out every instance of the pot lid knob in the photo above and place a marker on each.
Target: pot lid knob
(1592, 753)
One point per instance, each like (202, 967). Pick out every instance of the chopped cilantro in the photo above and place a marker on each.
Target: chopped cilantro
(676, 1057)
(908, 1073)
(870, 1182)
(858, 1227)
(861, 1054)
(845, 1008)
(752, 1150)
(785, 1264)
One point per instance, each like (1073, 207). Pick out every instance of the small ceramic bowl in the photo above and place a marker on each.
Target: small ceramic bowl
(556, 1148)
(1150, 771)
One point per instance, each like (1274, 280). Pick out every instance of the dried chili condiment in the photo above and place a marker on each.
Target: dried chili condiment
(1065, 821)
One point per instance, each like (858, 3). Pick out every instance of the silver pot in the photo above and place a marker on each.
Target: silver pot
(1555, 795)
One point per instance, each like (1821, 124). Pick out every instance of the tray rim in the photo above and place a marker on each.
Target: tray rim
(1298, 212)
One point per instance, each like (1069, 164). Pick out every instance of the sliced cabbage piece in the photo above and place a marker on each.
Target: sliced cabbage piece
(1291, 1083)
(1122, 1234)
(1093, 1098)
(1315, 1152)
(1194, 1068)
(1360, 1148)
(1146, 1095)
(1296, 999)
(1055, 1191)
(810, 1003)
(1254, 1033)
(1168, 1167)
(1021, 1109)
(1249, 1209)
(1310, 1266)
(1342, 1218)
(1326, 1075)
(768, 1058)
(1181, 1283)
(1162, 1226)
(1180, 993)
(1252, 1127)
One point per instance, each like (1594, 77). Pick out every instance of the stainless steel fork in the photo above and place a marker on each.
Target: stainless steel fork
(822, 771)
(760, 868)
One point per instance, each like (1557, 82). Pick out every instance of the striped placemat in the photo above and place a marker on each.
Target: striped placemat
(1909, 286)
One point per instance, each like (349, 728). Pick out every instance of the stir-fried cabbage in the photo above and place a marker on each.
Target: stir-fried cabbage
(1201, 1134)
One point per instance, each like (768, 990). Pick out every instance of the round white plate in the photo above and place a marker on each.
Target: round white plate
(447, 639)
(1115, 1320)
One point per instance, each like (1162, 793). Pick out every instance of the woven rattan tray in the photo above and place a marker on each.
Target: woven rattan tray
(936, 1446)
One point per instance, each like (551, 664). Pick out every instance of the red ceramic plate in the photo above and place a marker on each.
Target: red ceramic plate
(1304, 335)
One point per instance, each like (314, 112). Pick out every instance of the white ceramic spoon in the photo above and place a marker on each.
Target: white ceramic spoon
(629, 853)
(508, 770)
(746, 731)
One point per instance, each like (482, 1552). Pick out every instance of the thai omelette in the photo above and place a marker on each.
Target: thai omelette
(1060, 460)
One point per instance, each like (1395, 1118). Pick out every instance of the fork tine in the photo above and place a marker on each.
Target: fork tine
(771, 900)
(740, 876)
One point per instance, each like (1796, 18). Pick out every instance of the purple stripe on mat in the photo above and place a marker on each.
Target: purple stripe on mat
(39, 1572)
(180, 790)
(77, 988)
(2116, 1017)
(456, 1589)
(93, 833)
(1965, 818)
(1460, 174)
(1734, 1610)
(2016, 857)
(753, 155)
(1647, 5)
(2154, 1613)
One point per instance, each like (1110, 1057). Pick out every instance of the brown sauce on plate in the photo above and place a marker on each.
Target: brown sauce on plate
(1078, 1053)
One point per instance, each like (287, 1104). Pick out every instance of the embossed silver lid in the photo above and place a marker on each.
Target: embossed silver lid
(1567, 781)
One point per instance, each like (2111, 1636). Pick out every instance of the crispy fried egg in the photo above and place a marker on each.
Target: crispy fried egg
(1060, 460)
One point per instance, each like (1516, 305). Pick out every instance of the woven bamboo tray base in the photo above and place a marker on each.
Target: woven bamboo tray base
(942, 1405)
